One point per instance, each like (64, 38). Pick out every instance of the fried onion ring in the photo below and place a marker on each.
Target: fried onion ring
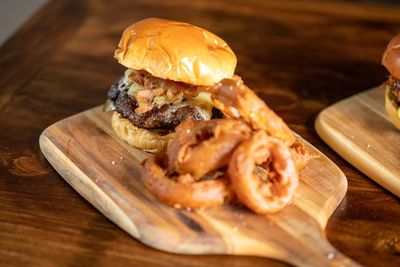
(259, 193)
(236, 100)
(180, 191)
(204, 146)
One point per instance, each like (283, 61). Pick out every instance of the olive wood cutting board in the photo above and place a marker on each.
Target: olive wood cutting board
(359, 129)
(106, 171)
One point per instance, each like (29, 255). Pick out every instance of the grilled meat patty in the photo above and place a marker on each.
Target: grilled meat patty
(167, 116)
(164, 116)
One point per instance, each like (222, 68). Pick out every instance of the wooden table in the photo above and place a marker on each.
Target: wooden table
(299, 56)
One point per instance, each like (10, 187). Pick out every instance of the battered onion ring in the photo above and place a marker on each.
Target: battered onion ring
(269, 194)
(182, 192)
(236, 100)
(200, 147)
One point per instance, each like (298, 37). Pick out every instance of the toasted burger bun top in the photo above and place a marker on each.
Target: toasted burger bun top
(176, 51)
(391, 57)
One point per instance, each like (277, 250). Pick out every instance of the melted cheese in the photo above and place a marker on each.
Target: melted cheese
(134, 88)
(202, 102)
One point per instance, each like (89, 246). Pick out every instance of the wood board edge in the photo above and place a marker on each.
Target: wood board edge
(332, 203)
(346, 149)
(84, 186)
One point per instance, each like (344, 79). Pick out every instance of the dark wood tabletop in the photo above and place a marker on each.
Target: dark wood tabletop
(299, 56)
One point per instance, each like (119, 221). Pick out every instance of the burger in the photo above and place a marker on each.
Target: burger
(391, 60)
(169, 66)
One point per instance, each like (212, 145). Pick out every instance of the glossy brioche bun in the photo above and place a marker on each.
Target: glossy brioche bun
(391, 57)
(176, 51)
(391, 108)
(146, 140)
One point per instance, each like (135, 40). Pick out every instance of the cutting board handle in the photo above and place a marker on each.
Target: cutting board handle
(300, 242)
(326, 255)
(317, 252)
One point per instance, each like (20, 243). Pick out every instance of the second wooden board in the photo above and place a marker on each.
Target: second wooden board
(359, 130)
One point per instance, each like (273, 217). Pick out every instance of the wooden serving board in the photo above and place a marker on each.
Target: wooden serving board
(106, 171)
(360, 131)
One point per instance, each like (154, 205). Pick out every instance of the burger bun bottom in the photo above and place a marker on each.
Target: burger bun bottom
(143, 139)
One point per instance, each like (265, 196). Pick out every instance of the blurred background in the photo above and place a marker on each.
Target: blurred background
(14, 12)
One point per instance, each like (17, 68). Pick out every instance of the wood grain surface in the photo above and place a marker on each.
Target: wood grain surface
(107, 172)
(299, 56)
(366, 138)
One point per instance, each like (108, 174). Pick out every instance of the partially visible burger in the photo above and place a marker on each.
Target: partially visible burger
(391, 60)
(168, 64)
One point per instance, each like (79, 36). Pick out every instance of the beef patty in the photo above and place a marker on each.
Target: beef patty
(163, 117)
(167, 116)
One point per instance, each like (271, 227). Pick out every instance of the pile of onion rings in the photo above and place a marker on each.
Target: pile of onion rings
(246, 157)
